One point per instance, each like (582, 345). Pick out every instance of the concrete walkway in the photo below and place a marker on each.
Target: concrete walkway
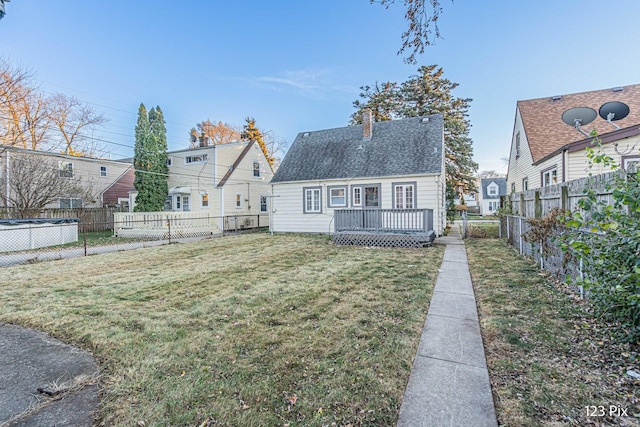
(449, 383)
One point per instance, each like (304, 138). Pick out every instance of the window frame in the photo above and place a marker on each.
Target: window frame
(525, 183)
(259, 170)
(493, 189)
(330, 189)
(356, 202)
(315, 191)
(549, 171)
(364, 193)
(517, 144)
(404, 186)
(629, 160)
(103, 171)
(238, 201)
(71, 202)
(202, 158)
(265, 204)
(65, 169)
(204, 200)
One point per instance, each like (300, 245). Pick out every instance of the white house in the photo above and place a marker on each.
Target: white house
(102, 182)
(394, 165)
(550, 135)
(220, 180)
(491, 190)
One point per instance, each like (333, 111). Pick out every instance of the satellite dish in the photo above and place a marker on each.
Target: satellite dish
(618, 111)
(579, 116)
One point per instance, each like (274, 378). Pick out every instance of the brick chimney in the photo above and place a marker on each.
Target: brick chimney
(367, 124)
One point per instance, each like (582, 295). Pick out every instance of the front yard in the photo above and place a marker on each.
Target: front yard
(246, 330)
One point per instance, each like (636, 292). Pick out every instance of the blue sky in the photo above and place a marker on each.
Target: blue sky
(297, 65)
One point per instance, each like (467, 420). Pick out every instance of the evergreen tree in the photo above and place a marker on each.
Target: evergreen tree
(251, 133)
(428, 92)
(150, 160)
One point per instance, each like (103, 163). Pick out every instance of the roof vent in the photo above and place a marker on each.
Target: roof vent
(305, 134)
(556, 98)
(617, 89)
(425, 120)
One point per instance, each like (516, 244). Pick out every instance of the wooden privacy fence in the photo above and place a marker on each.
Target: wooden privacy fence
(565, 196)
(93, 219)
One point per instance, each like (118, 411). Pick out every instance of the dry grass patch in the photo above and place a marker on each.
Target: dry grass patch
(247, 330)
(548, 357)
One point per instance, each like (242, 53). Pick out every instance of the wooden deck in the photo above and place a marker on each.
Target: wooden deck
(384, 227)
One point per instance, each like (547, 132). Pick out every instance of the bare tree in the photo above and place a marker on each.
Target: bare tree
(422, 17)
(29, 182)
(73, 119)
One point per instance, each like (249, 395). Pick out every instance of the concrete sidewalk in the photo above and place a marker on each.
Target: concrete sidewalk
(449, 383)
(43, 381)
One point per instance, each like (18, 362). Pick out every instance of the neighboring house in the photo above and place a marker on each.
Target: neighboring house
(220, 180)
(550, 135)
(492, 189)
(108, 181)
(394, 165)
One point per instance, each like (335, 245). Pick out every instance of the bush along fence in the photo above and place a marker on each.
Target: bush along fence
(37, 240)
(592, 242)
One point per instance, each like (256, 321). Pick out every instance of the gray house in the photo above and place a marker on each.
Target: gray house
(392, 171)
(492, 189)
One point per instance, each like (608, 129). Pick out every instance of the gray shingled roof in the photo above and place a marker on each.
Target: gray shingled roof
(398, 147)
(502, 187)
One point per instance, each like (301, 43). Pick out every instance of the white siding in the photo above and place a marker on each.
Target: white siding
(521, 166)
(288, 211)
(199, 177)
(579, 164)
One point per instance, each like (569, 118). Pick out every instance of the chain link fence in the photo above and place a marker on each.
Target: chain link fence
(37, 240)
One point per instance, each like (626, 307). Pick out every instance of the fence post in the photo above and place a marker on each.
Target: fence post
(258, 220)
(508, 231)
(537, 205)
(523, 209)
(564, 198)
(169, 228)
(520, 238)
(84, 234)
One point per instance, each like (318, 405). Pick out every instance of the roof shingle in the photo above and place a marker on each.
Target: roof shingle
(399, 147)
(545, 130)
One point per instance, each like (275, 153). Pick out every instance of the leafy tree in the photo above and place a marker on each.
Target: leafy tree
(251, 133)
(428, 92)
(28, 183)
(606, 237)
(150, 160)
(210, 133)
(423, 25)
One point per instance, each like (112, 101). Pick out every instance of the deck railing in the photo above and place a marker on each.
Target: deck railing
(383, 220)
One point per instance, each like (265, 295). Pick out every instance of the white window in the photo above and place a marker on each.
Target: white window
(169, 161)
(630, 160)
(178, 203)
(525, 184)
(513, 187)
(337, 197)
(103, 171)
(492, 189)
(238, 200)
(312, 200)
(263, 204)
(404, 196)
(256, 169)
(493, 206)
(357, 196)
(65, 169)
(549, 177)
(185, 204)
(205, 200)
(69, 202)
(517, 145)
(196, 159)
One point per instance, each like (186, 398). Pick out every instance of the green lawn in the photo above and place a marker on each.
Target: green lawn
(238, 331)
(548, 357)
